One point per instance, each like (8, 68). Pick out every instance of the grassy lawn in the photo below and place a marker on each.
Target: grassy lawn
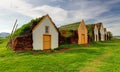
(98, 57)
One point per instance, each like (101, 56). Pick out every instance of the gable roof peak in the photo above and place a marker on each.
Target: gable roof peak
(83, 20)
(42, 18)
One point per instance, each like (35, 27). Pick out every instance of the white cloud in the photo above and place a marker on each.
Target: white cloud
(109, 21)
(88, 13)
(114, 30)
(58, 14)
(113, 1)
(15, 4)
(20, 6)
(24, 8)
(87, 10)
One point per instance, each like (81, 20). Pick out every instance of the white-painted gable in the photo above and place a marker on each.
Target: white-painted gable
(102, 33)
(39, 31)
(96, 35)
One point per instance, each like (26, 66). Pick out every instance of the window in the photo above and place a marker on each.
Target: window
(82, 27)
(46, 29)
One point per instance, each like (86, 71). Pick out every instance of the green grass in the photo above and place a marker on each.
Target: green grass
(73, 60)
(112, 63)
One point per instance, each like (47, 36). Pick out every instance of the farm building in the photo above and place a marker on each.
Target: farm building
(68, 33)
(42, 34)
(72, 33)
(82, 33)
(101, 31)
(45, 34)
(96, 32)
(39, 34)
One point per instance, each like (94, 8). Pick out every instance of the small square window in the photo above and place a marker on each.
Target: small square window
(46, 29)
(82, 27)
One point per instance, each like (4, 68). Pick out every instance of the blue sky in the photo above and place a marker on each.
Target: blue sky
(61, 11)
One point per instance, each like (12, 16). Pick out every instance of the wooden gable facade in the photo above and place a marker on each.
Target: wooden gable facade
(100, 31)
(82, 33)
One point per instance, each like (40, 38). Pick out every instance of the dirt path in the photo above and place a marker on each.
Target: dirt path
(92, 66)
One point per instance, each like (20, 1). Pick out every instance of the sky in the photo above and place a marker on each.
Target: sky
(61, 11)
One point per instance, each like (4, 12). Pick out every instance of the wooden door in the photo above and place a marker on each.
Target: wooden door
(83, 38)
(46, 42)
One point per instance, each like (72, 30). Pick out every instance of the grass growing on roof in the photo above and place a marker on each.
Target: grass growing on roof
(26, 28)
(69, 27)
(73, 26)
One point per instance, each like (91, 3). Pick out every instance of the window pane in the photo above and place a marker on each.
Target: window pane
(46, 29)
(82, 27)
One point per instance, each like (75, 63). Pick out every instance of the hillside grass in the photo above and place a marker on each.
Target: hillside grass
(76, 59)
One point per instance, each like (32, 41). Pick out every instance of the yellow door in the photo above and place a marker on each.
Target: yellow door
(46, 42)
(83, 39)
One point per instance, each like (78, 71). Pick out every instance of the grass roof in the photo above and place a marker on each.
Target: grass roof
(72, 26)
(69, 27)
(26, 28)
